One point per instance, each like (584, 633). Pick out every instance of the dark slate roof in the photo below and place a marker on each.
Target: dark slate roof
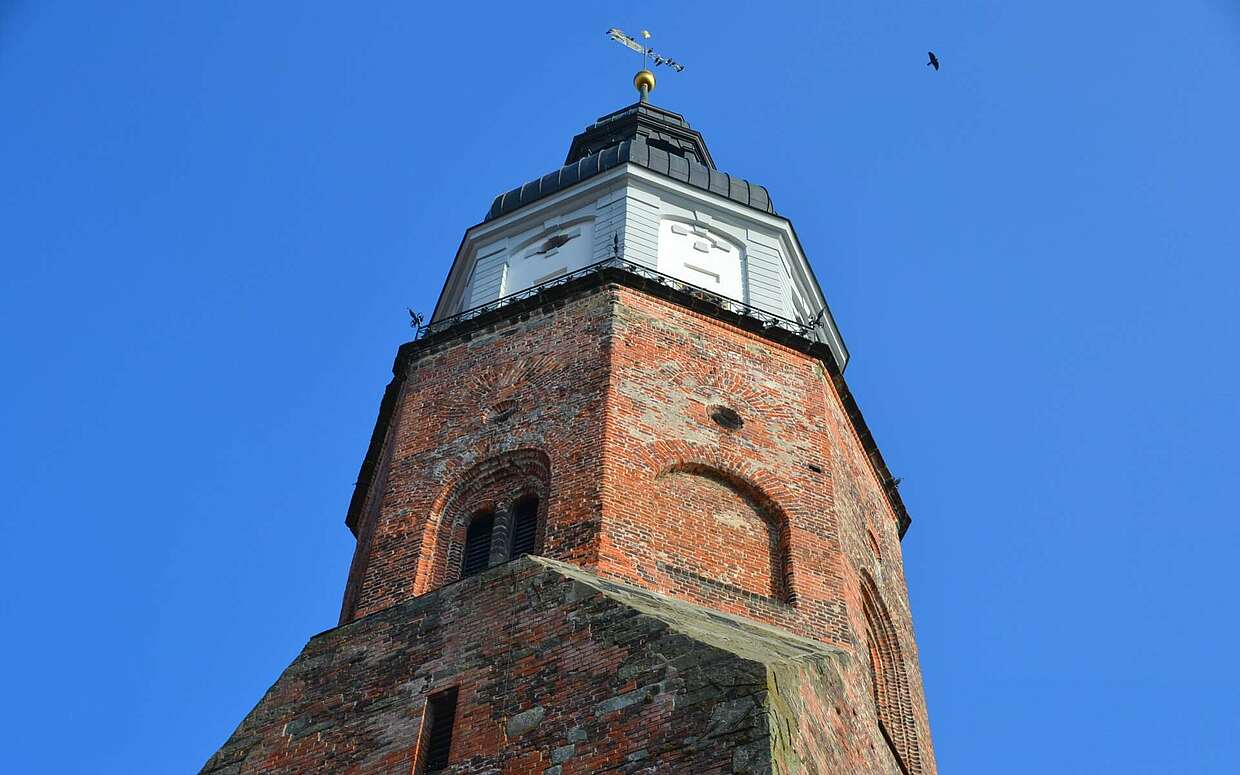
(642, 134)
(658, 127)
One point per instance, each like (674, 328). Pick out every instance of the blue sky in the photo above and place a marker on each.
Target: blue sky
(213, 215)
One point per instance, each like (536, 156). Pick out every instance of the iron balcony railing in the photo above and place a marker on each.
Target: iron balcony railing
(767, 319)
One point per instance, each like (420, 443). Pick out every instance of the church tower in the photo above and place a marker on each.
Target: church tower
(620, 512)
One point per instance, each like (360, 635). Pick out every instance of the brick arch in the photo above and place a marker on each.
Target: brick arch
(773, 519)
(766, 494)
(499, 480)
(889, 681)
(664, 455)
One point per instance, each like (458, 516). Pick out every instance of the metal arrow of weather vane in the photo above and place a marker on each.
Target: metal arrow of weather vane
(645, 79)
(644, 50)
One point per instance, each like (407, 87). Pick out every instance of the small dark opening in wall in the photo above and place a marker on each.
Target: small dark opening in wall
(441, 712)
(556, 241)
(477, 544)
(503, 411)
(524, 526)
(814, 467)
(726, 418)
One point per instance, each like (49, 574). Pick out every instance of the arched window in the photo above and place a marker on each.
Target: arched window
(495, 537)
(889, 683)
(492, 513)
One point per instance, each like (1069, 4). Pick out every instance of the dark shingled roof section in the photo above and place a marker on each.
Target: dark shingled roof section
(642, 134)
(659, 127)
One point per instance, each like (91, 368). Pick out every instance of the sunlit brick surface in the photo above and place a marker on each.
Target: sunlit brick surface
(560, 673)
(601, 404)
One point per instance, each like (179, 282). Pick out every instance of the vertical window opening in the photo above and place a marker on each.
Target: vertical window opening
(441, 713)
(477, 544)
(524, 526)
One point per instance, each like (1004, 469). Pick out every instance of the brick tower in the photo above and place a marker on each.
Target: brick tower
(620, 512)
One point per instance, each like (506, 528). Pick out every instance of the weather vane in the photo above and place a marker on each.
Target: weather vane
(644, 80)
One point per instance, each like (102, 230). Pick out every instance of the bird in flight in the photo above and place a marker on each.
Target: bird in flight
(934, 61)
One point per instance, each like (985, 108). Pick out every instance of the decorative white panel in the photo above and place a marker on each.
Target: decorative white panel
(550, 256)
(697, 255)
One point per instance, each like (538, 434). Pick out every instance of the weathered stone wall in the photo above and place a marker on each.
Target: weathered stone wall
(821, 725)
(558, 673)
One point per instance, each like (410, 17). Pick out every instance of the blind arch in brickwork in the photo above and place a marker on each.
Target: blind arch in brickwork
(495, 483)
(749, 480)
(889, 680)
(662, 456)
(751, 529)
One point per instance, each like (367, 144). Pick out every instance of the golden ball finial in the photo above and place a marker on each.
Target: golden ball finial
(644, 81)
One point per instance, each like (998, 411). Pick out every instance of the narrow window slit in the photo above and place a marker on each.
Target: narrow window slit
(477, 544)
(525, 526)
(441, 712)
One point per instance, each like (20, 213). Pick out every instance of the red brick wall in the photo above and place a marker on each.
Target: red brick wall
(545, 377)
(670, 366)
(516, 640)
(558, 673)
(724, 534)
(614, 390)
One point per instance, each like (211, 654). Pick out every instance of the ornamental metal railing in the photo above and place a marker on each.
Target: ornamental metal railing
(766, 319)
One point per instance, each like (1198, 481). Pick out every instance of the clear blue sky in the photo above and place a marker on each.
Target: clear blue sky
(213, 215)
